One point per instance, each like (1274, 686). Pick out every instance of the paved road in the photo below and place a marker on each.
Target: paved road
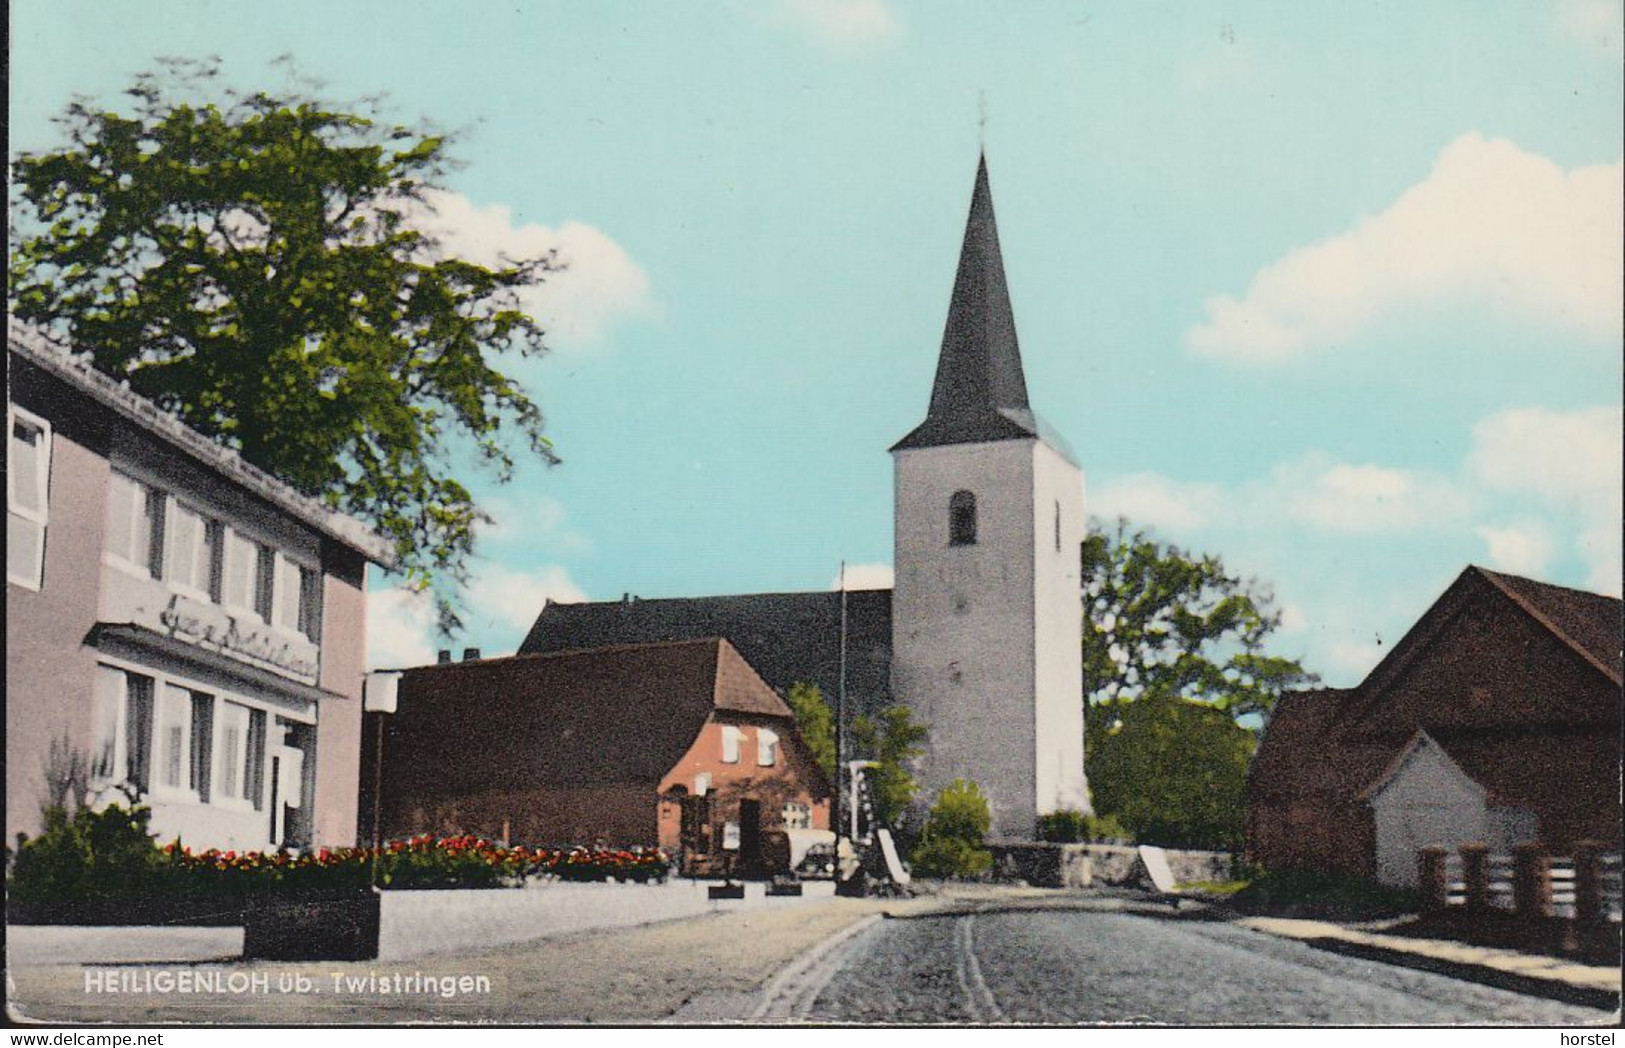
(1014, 966)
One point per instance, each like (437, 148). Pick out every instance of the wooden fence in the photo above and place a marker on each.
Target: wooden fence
(1529, 898)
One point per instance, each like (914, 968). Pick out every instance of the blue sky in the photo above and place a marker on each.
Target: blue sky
(1330, 289)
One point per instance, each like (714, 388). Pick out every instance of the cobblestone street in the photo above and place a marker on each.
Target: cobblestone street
(1102, 967)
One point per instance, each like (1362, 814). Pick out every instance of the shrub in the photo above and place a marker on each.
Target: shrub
(949, 857)
(1069, 826)
(106, 854)
(1322, 893)
(951, 843)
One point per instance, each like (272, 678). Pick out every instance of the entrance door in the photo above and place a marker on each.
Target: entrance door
(696, 830)
(750, 838)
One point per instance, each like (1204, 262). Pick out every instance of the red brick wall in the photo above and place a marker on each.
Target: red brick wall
(615, 815)
(792, 778)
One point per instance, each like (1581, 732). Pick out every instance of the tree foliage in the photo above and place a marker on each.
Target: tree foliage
(1172, 771)
(1164, 622)
(814, 723)
(894, 742)
(253, 265)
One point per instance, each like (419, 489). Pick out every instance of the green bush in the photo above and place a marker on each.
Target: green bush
(1315, 892)
(951, 843)
(1069, 826)
(949, 857)
(107, 854)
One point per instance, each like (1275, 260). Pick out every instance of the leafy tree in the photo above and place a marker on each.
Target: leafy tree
(253, 265)
(1161, 621)
(951, 843)
(815, 723)
(894, 742)
(1172, 771)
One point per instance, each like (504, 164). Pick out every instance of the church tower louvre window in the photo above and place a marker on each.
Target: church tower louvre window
(994, 610)
(962, 519)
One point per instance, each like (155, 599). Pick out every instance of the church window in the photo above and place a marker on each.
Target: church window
(962, 519)
(731, 737)
(767, 748)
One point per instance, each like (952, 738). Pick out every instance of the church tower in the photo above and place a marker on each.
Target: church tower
(986, 608)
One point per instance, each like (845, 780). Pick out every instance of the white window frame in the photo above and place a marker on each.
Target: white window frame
(240, 558)
(731, 739)
(229, 713)
(767, 748)
(170, 698)
(119, 695)
(796, 815)
(730, 836)
(179, 560)
(39, 514)
(157, 538)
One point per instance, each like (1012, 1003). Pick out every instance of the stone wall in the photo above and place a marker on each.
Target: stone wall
(1081, 865)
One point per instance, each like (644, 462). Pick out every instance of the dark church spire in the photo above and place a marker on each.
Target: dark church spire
(980, 393)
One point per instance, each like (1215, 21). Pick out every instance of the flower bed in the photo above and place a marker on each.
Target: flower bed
(419, 863)
(105, 865)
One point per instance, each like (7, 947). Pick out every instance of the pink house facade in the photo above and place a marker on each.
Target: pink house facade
(182, 629)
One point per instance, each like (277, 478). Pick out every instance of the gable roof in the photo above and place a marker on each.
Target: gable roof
(980, 391)
(624, 714)
(786, 637)
(1419, 741)
(30, 344)
(1590, 623)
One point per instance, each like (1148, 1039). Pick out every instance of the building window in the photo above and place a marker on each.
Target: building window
(767, 748)
(28, 476)
(962, 519)
(135, 524)
(194, 553)
(702, 784)
(239, 745)
(264, 582)
(730, 836)
(731, 737)
(310, 604)
(181, 726)
(797, 816)
(123, 728)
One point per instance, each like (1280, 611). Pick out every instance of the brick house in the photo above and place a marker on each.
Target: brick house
(677, 744)
(1495, 719)
(182, 628)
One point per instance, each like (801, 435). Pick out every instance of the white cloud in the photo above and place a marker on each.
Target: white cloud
(599, 286)
(1598, 24)
(531, 522)
(865, 577)
(400, 628)
(1568, 461)
(1523, 549)
(1352, 660)
(502, 603)
(842, 24)
(1353, 498)
(1155, 500)
(1559, 455)
(505, 599)
(1491, 225)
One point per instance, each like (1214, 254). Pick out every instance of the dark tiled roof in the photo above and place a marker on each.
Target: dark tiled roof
(1294, 758)
(980, 392)
(786, 637)
(623, 714)
(1590, 623)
